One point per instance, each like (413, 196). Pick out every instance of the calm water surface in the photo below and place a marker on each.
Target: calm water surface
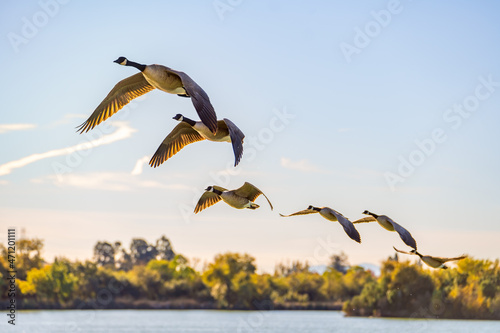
(194, 321)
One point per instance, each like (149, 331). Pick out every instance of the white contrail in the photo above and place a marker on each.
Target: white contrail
(123, 131)
(301, 165)
(139, 165)
(4, 128)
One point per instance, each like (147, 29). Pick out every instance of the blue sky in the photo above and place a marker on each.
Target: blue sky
(390, 106)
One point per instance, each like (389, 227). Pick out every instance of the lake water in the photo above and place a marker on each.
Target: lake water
(196, 321)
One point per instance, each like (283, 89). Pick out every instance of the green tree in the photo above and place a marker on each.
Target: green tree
(141, 252)
(104, 254)
(164, 249)
(28, 256)
(339, 262)
(54, 283)
(334, 288)
(229, 278)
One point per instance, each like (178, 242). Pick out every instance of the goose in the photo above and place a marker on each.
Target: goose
(240, 198)
(149, 78)
(332, 215)
(434, 262)
(388, 224)
(189, 131)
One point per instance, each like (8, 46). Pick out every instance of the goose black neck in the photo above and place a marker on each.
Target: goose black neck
(372, 214)
(418, 254)
(216, 191)
(136, 65)
(317, 209)
(189, 121)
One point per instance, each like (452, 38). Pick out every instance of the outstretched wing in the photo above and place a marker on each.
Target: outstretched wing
(237, 137)
(450, 259)
(182, 135)
(367, 219)
(250, 192)
(302, 212)
(206, 200)
(349, 228)
(200, 101)
(404, 234)
(402, 251)
(122, 93)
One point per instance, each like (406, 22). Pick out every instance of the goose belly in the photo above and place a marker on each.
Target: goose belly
(236, 201)
(206, 133)
(432, 262)
(329, 216)
(160, 78)
(385, 224)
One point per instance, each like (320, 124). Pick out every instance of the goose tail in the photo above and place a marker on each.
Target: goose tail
(253, 206)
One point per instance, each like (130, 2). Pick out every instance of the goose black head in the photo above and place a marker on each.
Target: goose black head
(209, 189)
(121, 61)
(413, 251)
(366, 212)
(178, 117)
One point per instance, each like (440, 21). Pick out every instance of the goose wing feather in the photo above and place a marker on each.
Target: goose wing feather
(121, 94)
(449, 259)
(200, 100)
(237, 137)
(349, 228)
(206, 200)
(182, 135)
(403, 251)
(404, 234)
(250, 192)
(302, 212)
(367, 219)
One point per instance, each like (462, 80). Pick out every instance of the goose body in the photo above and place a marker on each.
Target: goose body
(388, 224)
(163, 78)
(189, 131)
(152, 77)
(332, 215)
(434, 262)
(240, 198)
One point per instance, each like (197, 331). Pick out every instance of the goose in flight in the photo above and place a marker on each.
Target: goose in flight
(388, 224)
(332, 215)
(189, 131)
(149, 78)
(240, 198)
(434, 262)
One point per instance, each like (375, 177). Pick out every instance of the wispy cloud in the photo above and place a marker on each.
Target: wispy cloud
(4, 128)
(139, 165)
(301, 165)
(122, 132)
(67, 118)
(107, 181)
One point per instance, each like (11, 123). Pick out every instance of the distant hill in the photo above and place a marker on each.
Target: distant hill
(320, 269)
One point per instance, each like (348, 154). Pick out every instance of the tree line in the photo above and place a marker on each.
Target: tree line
(154, 276)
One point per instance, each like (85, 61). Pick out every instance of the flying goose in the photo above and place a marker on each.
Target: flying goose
(388, 224)
(332, 215)
(434, 262)
(189, 131)
(240, 198)
(151, 77)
